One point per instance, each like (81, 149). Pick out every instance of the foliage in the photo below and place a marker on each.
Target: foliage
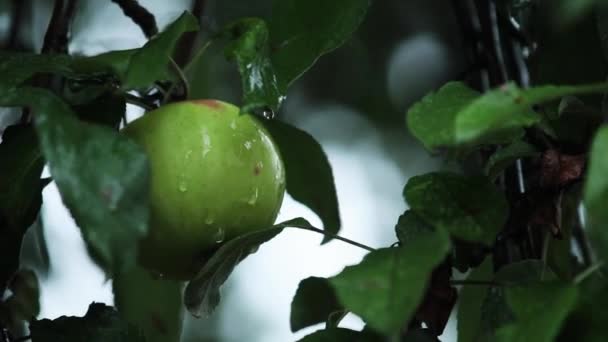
(528, 136)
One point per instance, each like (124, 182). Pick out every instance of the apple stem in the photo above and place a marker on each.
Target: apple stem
(337, 237)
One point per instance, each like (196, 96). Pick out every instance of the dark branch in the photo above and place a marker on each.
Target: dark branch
(140, 16)
(56, 37)
(17, 16)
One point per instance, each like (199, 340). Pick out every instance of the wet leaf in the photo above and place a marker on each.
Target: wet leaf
(314, 301)
(100, 324)
(203, 292)
(386, 288)
(309, 176)
(249, 47)
(102, 176)
(470, 208)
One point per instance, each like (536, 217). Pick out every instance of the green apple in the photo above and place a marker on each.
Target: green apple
(215, 175)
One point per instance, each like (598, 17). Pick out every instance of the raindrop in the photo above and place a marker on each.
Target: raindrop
(248, 145)
(220, 235)
(265, 112)
(253, 198)
(182, 186)
(188, 154)
(233, 124)
(209, 219)
(268, 114)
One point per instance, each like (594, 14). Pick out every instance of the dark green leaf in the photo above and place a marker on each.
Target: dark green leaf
(100, 324)
(595, 194)
(470, 208)
(506, 156)
(107, 109)
(470, 300)
(432, 119)
(114, 62)
(587, 323)
(539, 309)
(410, 227)
(24, 301)
(388, 285)
(509, 107)
(495, 311)
(149, 63)
(455, 117)
(250, 48)
(303, 30)
(17, 67)
(203, 292)
(574, 122)
(314, 301)
(308, 173)
(102, 176)
(523, 272)
(21, 164)
(151, 303)
(340, 335)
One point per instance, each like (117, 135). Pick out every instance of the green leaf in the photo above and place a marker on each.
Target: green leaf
(21, 164)
(100, 324)
(102, 176)
(539, 309)
(456, 117)
(304, 30)
(470, 208)
(495, 311)
(339, 335)
(388, 285)
(470, 300)
(250, 48)
(308, 173)
(410, 227)
(314, 301)
(595, 193)
(587, 322)
(149, 63)
(203, 292)
(506, 156)
(17, 67)
(24, 301)
(151, 303)
(106, 109)
(432, 119)
(509, 107)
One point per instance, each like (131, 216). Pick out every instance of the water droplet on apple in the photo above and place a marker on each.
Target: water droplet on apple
(254, 249)
(220, 235)
(209, 219)
(248, 145)
(188, 154)
(254, 197)
(183, 187)
(233, 124)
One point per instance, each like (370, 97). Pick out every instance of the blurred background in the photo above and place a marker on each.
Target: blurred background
(353, 101)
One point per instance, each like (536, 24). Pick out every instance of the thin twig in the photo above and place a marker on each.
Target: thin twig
(182, 78)
(587, 272)
(337, 237)
(140, 16)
